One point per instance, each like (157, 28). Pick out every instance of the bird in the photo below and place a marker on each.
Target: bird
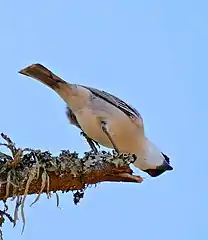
(104, 119)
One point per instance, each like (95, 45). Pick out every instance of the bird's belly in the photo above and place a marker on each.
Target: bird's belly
(125, 134)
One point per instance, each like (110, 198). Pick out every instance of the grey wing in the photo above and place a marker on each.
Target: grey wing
(72, 118)
(117, 102)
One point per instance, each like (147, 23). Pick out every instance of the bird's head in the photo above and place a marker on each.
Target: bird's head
(157, 161)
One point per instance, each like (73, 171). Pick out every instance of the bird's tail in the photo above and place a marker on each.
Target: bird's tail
(44, 75)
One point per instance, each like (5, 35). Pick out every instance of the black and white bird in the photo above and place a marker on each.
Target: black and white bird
(105, 119)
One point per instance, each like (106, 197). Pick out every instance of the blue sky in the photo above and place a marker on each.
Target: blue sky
(152, 54)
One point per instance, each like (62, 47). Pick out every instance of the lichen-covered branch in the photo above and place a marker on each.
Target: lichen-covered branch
(34, 170)
(28, 171)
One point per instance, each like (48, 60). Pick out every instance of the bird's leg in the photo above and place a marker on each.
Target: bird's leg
(105, 130)
(73, 120)
(91, 142)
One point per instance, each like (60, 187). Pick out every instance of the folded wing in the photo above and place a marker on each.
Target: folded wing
(117, 102)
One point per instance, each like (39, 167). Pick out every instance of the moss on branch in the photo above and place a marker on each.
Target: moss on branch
(28, 171)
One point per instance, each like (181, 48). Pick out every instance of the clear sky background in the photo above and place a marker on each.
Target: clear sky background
(153, 54)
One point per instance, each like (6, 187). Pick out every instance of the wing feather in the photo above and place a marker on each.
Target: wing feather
(117, 102)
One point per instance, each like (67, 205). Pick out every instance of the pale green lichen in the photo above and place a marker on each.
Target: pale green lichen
(35, 164)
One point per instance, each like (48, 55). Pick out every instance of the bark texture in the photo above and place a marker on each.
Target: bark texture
(29, 171)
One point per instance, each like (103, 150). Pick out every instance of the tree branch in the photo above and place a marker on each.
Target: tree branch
(29, 171)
